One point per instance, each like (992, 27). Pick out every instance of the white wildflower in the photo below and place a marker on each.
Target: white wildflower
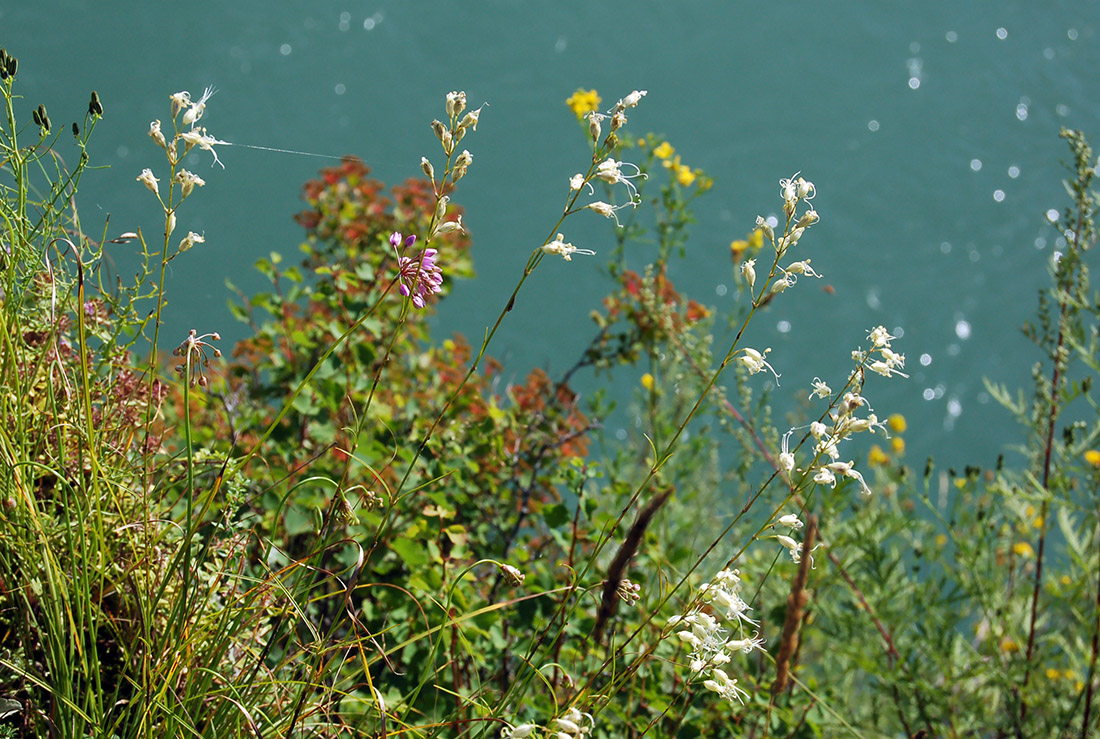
(563, 249)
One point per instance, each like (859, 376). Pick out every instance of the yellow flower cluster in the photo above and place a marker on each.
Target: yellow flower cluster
(877, 457)
(583, 102)
(752, 242)
(683, 174)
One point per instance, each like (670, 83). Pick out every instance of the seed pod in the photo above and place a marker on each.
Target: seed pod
(76, 130)
(94, 106)
(12, 66)
(36, 118)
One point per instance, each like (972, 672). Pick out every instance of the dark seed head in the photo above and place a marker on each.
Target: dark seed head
(76, 129)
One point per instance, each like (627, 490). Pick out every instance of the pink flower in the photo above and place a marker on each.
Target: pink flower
(420, 276)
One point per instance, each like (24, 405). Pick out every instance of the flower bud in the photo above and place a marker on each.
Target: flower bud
(618, 120)
(748, 271)
(12, 66)
(808, 218)
(76, 130)
(94, 106)
(514, 576)
(441, 208)
(464, 160)
(594, 126)
(146, 178)
(156, 135)
(470, 120)
(456, 103)
(633, 99)
(611, 141)
(763, 226)
(439, 129)
(427, 168)
(190, 240)
(170, 224)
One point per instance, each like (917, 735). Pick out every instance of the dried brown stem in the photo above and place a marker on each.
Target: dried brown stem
(796, 605)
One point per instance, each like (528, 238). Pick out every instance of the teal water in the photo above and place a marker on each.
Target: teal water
(930, 130)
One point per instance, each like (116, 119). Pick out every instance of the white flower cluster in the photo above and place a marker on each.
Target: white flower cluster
(843, 419)
(175, 149)
(609, 170)
(709, 641)
(793, 191)
(573, 724)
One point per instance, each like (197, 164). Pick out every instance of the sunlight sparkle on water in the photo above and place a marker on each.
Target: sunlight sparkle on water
(925, 359)
(1002, 33)
(976, 164)
(962, 329)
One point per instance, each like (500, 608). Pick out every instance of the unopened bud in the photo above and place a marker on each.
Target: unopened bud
(464, 160)
(427, 168)
(439, 129)
(513, 575)
(441, 208)
(611, 141)
(12, 66)
(76, 129)
(94, 106)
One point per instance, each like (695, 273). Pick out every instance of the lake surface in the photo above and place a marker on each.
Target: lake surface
(930, 130)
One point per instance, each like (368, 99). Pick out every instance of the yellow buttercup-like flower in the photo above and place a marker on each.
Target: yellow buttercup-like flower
(685, 175)
(582, 102)
(896, 422)
(1092, 456)
(664, 151)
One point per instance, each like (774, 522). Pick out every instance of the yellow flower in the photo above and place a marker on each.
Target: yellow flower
(684, 175)
(756, 238)
(647, 381)
(664, 151)
(1023, 549)
(1052, 674)
(896, 422)
(1008, 645)
(876, 456)
(898, 445)
(1066, 580)
(941, 541)
(1092, 456)
(584, 101)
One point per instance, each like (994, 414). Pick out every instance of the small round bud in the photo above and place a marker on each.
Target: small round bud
(427, 168)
